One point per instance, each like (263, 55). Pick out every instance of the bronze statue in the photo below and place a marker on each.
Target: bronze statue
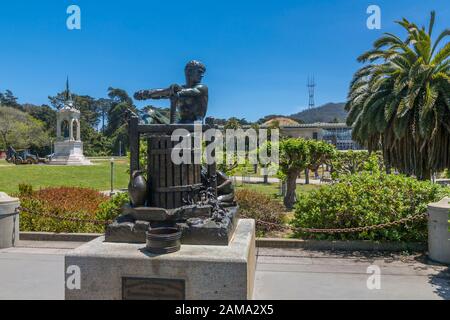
(190, 99)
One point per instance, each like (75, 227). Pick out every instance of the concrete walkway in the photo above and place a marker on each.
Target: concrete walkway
(304, 274)
(34, 270)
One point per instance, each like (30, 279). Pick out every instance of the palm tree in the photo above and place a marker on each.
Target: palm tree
(399, 101)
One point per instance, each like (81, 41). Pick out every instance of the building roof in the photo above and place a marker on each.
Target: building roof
(323, 125)
(282, 122)
(316, 125)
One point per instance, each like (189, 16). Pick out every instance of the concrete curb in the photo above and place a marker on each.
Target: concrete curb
(353, 245)
(51, 236)
(356, 245)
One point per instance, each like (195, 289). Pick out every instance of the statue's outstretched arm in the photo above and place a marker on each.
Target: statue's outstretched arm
(154, 94)
(191, 92)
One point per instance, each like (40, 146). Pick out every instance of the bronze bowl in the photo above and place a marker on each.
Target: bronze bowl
(163, 240)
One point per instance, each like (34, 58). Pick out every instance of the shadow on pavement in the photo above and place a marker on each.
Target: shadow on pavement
(441, 283)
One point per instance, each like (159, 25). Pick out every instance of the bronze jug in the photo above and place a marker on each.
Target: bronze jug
(137, 189)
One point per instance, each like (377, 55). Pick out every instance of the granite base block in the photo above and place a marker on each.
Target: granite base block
(115, 271)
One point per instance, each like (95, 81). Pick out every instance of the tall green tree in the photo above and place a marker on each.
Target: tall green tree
(20, 130)
(104, 106)
(294, 158)
(8, 99)
(399, 101)
(320, 152)
(117, 127)
(44, 113)
(233, 123)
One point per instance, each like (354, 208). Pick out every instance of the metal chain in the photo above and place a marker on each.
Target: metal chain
(347, 230)
(71, 219)
(276, 225)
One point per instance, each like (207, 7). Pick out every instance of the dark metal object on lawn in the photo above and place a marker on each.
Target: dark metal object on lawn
(22, 157)
(163, 240)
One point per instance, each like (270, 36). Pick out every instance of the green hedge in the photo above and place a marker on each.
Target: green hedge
(368, 199)
(67, 202)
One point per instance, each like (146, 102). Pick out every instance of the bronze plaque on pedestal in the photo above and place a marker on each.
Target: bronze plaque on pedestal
(152, 289)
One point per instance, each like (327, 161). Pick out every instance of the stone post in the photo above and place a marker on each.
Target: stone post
(438, 231)
(71, 131)
(58, 128)
(9, 221)
(78, 131)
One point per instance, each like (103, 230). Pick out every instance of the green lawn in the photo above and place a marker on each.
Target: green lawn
(274, 188)
(96, 176)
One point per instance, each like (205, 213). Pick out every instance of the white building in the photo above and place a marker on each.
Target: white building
(338, 134)
(68, 145)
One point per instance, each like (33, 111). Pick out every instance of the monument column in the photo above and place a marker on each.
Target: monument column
(71, 130)
(78, 131)
(58, 128)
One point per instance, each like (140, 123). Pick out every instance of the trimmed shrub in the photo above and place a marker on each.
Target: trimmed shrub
(258, 206)
(81, 203)
(68, 199)
(110, 209)
(367, 199)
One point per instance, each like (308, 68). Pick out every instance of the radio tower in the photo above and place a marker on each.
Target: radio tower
(311, 86)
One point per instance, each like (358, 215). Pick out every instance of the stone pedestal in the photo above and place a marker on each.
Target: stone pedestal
(126, 271)
(439, 231)
(9, 221)
(69, 152)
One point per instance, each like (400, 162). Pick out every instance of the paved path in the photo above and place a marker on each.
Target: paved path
(304, 274)
(34, 271)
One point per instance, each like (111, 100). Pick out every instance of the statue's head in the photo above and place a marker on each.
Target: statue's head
(194, 71)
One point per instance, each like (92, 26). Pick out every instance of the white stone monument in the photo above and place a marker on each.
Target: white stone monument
(68, 145)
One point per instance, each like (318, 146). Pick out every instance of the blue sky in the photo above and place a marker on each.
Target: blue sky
(258, 53)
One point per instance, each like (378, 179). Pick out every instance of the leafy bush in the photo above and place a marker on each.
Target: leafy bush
(367, 199)
(258, 206)
(110, 209)
(350, 162)
(446, 174)
(81, 203)
(68, 199)
(25, 189)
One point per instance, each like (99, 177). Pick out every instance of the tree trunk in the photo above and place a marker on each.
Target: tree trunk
(388, 169)
(103, 122)
(307, 176)
(291, 185)
(426, 176)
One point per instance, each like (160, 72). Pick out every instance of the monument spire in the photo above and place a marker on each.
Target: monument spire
(68, 101)
(68, 95)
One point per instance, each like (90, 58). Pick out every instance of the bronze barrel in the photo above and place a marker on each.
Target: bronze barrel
(170, 184)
